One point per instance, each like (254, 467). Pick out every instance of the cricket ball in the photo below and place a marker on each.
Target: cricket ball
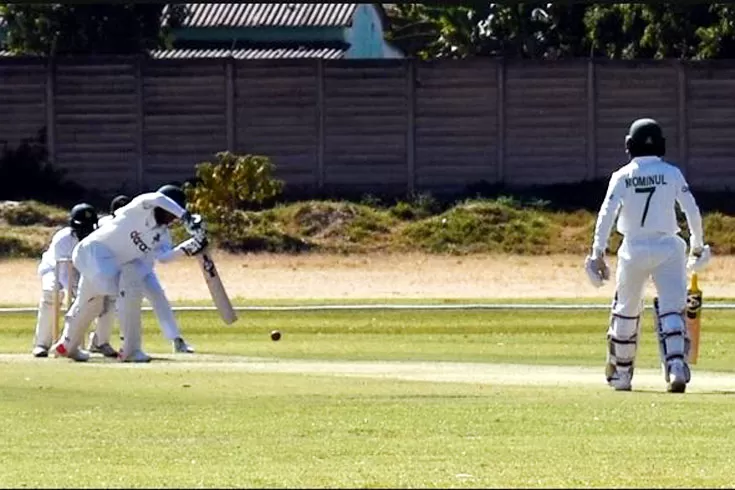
(275, 335)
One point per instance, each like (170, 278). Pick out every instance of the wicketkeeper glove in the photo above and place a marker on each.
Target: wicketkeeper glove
(596, 268)
(699, 258)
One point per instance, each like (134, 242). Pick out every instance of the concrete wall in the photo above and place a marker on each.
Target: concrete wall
(369, 125)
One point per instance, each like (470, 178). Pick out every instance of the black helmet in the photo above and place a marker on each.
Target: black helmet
(118, 202)
(174, 193)
(83, 219)
(645, 138)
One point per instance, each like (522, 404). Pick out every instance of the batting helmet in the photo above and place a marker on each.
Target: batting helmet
(83, 219)
(118, 202)
(174, 193)
(645, 138)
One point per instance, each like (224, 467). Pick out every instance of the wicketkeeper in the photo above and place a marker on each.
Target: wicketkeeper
(112, 261)
(82, 222)
(643, 195)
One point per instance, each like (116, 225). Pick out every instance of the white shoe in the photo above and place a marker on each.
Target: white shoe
(621, 381)
(180, 346)
(40, 351)
(678, 377)
(60, 350)
(135, 356)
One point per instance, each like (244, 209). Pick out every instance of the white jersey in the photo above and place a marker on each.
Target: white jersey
(133, 233)
(164, 249)
(644, 193)
(62, 244)
(104, 219)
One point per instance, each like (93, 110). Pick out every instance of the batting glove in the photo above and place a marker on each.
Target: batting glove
(596, 268)
(193, 223)
(699, 258)
(194, 246)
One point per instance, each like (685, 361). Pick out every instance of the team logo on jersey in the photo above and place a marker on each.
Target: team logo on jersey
(156, 238)
(138, 241)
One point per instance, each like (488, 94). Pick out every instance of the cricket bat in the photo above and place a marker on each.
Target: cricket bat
(694, 318)
(55, 313)
(216, 288)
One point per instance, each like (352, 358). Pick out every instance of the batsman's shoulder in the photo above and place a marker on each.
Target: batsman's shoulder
(617, 176)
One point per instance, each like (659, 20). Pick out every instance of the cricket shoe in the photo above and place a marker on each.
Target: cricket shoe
(679, 376)
(40, 351)
(620, 380)
(135, 356)
(181, 347)
(60, 350)
(105, 349)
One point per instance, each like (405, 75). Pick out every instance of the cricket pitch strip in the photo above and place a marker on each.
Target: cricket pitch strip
(703, 382)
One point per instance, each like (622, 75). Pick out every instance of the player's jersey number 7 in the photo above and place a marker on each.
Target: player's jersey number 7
(649, 191)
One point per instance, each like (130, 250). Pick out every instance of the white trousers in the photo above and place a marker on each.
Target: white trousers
(44, 319)
(100, 277)
(156, 296)
(154, 293)
(662, 259)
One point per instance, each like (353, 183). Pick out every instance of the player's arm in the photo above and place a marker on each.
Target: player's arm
(192, 246)
(607, 214)
(62, 245)
(688, 205)
(152, 200)
(699, 253)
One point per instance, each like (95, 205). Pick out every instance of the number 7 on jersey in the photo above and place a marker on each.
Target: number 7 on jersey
(649, 191)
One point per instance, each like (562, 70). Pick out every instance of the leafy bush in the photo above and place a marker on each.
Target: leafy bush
(419, 206)
(27, 242)
(232, 182)
(482, 226)
(247, 231)
(343, 226)
(29, 213)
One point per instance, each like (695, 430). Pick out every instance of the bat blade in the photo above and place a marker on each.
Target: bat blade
(216, 288)
(694, 318)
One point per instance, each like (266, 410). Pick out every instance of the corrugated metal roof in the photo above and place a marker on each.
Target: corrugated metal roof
(269, 14)
(251, 54)
(239, 54)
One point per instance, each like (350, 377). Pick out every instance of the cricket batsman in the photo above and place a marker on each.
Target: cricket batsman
(82, 222)
(112, 262)
(152, 289)
(643, 195)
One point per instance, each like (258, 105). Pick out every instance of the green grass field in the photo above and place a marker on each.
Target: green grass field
(220, 419)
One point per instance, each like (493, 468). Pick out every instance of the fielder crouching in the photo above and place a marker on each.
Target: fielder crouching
(82, 222)
(112, 261)
(644, 194)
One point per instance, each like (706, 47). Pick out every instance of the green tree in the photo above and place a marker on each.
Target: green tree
(467, 29)
(561, 30)
(47, 29)
(657, 31)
